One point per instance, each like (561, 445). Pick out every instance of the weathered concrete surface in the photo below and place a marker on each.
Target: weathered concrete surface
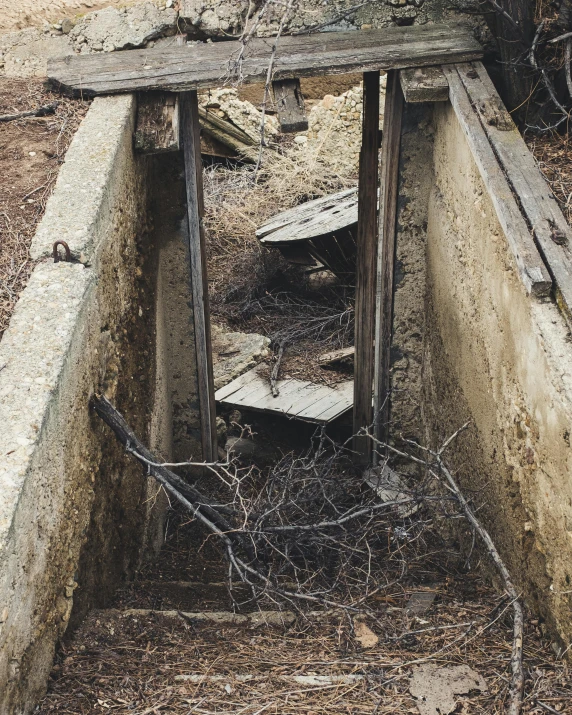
(234, 353)
(112, 29)
(87, 183)
(74, 511)
(502, 359)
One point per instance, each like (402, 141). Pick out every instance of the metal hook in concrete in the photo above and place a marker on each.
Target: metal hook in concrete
(56, 255)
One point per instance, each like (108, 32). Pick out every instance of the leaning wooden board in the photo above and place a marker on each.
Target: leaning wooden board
(297, 399)
(214, 64)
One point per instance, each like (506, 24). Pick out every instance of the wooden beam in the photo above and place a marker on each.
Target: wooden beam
(212, 64)
(289, 103)
(387, 234)
(551, 230)
(424, 84)
(365, 268)
(157, 125)
(529, 264)
(190, 139)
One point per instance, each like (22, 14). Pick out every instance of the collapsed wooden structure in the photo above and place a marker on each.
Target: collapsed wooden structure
(423, 63)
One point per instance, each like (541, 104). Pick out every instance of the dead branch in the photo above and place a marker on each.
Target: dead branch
(40, 112)
(517, 683)
(276, 371)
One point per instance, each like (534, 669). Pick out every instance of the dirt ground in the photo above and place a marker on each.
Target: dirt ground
(31, 152)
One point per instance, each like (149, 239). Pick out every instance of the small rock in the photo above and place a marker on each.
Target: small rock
(301, 139)
(364, 635)
(67, 26)
(169, 3)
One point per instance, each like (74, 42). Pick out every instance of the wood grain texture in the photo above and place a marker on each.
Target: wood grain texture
(387, 234)
(297, 398)
(213, 64)
(529, 263)
(551, 230)
(424, 84)
(366, 268)
(157, 124)
(190, 139)
(289, 103)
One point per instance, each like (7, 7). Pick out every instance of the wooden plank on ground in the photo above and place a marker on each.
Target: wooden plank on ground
(367, 235)
(289, 103)
(551, 230)
(305, 211)
(314, 218)
(529, 264)
(190, 138)
(387, 233)
(424, 84)
(297, 399)
(157, 125)
(214, 64)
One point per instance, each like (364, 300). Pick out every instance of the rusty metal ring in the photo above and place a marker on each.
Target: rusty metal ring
(56, 255)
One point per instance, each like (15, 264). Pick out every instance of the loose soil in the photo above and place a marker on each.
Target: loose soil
(31, 153)
(133, 662)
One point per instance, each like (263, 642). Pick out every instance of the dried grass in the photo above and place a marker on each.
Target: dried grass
(236, 203)
(553, 153)
(31, 152)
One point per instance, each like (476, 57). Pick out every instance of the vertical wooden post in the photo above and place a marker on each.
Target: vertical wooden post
(190, 139)
(366, 267)
(386, 250)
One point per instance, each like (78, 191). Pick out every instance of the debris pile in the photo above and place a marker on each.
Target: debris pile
(334, 130)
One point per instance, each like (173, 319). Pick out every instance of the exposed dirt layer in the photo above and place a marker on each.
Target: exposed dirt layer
(31, 152)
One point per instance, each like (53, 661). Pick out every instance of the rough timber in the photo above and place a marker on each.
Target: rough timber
(211, 65)
(300, 399)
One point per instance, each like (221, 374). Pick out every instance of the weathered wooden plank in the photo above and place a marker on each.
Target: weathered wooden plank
(304, 211)
(387, 234)
(312, 219)
(367, 235)
(289, 103)
(190, 139)
(551, 230)
(424, 84)
(345, 400)
(308, 398)
(211, 64)
(299, 399)
(237, 384)
(529, 264)
(157, 125)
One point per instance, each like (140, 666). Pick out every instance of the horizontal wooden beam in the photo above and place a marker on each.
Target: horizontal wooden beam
(213, 64)
(529, 263)
(289, 103)
(551, 230)
(424, 84)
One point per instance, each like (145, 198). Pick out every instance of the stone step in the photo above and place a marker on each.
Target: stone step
(251, 620)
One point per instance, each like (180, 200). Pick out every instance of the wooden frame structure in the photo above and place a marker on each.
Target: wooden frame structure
(184, 69)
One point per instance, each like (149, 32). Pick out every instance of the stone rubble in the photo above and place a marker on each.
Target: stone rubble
(334, 130)
(121, 29)
(226, 105)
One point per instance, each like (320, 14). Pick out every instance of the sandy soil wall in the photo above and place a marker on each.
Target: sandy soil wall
(501, 358)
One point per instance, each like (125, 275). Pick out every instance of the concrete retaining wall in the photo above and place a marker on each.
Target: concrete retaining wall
(74, 512)
(502, 358)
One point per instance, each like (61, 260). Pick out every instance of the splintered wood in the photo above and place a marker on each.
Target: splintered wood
(296, 398)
